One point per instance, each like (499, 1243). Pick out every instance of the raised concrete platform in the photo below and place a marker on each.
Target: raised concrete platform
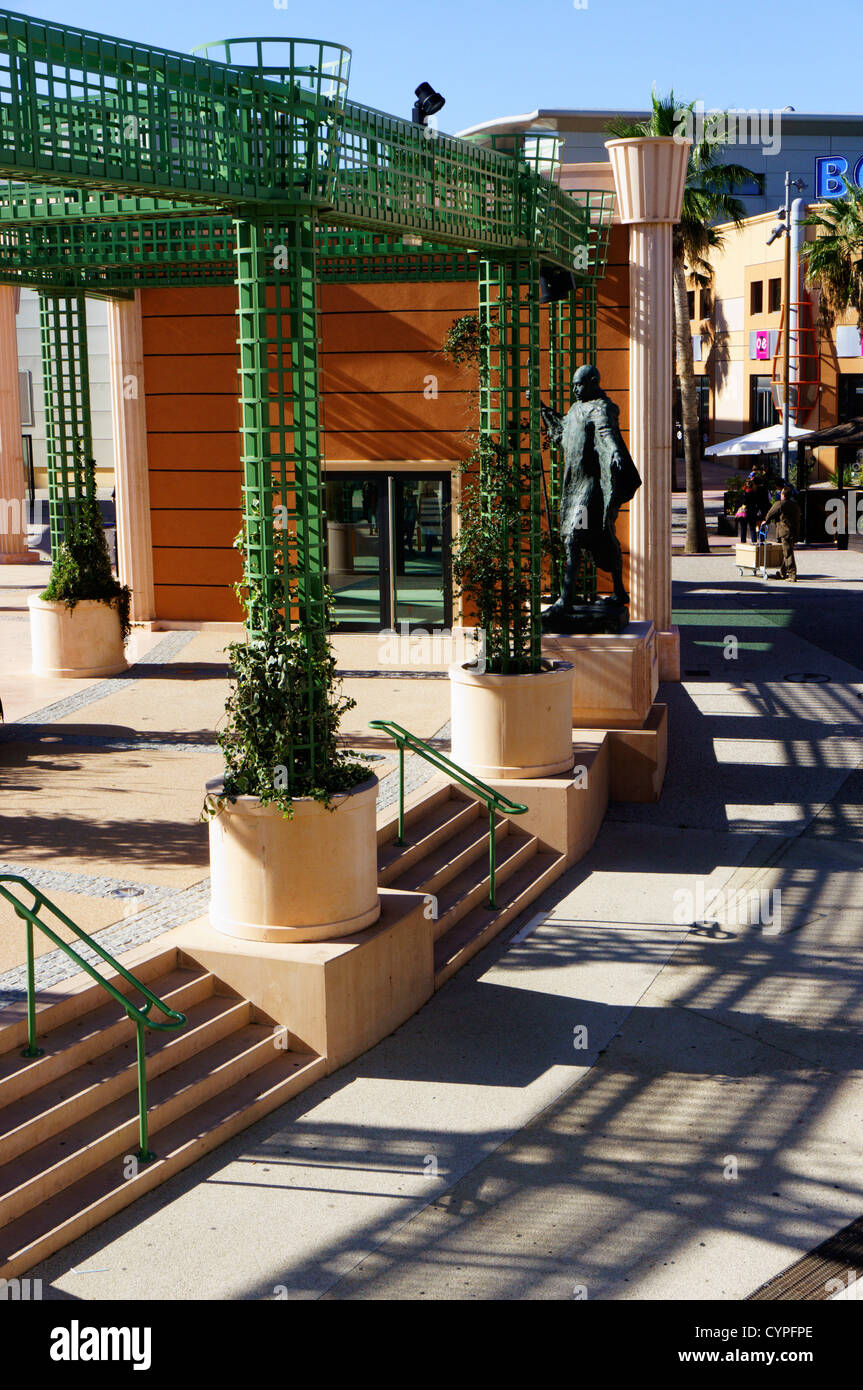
(565, 812)
(638, 758)
(335, 998)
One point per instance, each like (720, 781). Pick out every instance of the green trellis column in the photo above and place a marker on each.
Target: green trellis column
(283, 515)
(509, 413)
(560, 371)
(66, 391)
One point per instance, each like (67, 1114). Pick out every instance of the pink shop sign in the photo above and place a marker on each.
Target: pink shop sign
(762, 346)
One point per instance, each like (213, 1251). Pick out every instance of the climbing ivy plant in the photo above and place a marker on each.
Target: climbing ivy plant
(280, 738)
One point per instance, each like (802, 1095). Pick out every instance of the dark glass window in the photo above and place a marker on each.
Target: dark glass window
(756, 297)
(774, 296)
(850, 398)
(690, 299)
(762, 411)
(702, 401)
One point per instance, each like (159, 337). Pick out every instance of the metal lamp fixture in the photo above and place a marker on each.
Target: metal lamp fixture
(428, 103)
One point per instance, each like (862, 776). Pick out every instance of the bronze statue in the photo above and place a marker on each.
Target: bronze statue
(599, 477)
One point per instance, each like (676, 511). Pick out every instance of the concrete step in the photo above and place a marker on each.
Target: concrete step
(112, 1130)
(418, 804)
(109, 1187)
(59, 1104)
(470, 888)
(440, 821)
(476, 928)
(101, 1025)
(435, 870)
(61, 1006)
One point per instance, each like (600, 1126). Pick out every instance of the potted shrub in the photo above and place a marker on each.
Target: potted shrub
(80, 623)
(511, 712)
(293, 842)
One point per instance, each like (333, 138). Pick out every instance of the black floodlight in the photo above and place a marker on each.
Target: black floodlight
(428, 103)
(555, 283)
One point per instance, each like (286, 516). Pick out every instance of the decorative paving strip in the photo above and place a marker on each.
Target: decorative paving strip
(55, 966)
(162, 653)
(391, 675)
(87, 885)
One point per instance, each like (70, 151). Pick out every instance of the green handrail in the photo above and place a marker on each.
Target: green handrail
(140, 1016)
(494, 800)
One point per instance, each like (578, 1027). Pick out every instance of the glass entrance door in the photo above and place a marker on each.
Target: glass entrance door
(355, 508)
(421, 578)
(388, 545)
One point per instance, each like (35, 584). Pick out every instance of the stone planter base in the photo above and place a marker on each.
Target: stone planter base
(616, 675)
(309, 878)
(506, 727)
(82, 641)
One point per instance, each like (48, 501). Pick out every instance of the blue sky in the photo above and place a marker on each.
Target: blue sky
(499, 57)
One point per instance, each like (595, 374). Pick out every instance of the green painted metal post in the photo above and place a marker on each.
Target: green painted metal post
(401, 838)
(66, 389)
(31, 1050)
(144, 1153)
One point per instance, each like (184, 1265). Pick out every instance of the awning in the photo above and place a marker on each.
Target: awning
(766, 441)
(849, 432)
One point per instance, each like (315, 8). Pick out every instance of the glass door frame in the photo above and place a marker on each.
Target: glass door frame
(387, 480)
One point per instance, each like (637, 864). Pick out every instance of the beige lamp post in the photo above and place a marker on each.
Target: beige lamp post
(131, 475)
(649, 178)
(13, 524)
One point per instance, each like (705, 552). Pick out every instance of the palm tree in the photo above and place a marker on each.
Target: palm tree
(708, 198)
(834, 261)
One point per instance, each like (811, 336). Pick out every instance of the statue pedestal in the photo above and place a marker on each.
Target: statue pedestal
(616, 675)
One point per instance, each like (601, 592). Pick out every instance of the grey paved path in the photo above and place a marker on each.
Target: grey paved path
(653, 1087)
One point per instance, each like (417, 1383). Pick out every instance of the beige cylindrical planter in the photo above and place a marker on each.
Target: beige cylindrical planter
(512, 726)
(312, 877)
(85, 640)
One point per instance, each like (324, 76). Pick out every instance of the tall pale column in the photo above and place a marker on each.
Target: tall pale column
(128, 412)
(13, 523)
(649, 177)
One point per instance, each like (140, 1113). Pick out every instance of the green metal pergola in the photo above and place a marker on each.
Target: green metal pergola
(125, 166)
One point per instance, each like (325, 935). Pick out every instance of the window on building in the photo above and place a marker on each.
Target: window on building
(774, 296)
(705, 307)
(25, 396)
(690, 300)
(756, 297)
(702, 402)
(850, 398)
(762, 411)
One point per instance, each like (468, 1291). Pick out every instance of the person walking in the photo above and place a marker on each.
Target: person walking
(749, 511)
(786, 514)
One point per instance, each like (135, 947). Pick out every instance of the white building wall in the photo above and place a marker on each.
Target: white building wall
(30, 359)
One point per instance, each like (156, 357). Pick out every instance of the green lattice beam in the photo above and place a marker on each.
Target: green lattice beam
(89, 112)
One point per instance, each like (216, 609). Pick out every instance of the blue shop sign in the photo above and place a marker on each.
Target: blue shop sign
(829, 169)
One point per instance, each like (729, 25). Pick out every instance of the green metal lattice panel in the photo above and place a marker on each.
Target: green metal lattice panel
(509, 399)
(66, 393)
